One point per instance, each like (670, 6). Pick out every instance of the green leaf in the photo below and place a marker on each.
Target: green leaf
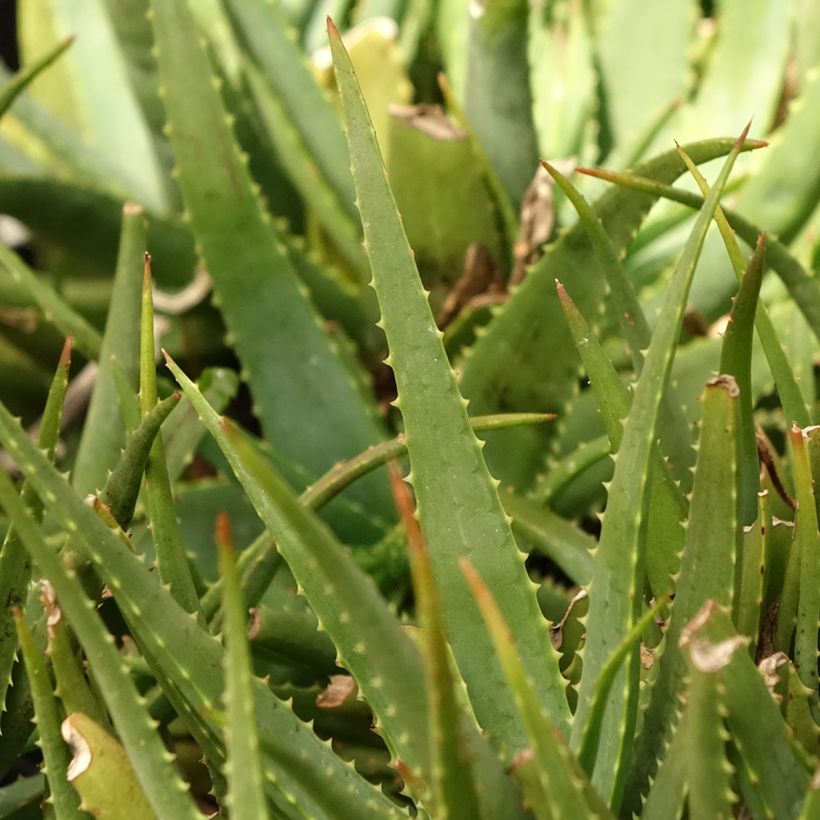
(101, 771)
(21, 793)
(172, 562)
(354, 615)
(262, 28)
(755, 723)
(70, 683)
(108, 113)
(707, 568)
(55, 754)
(668, 793)
(104, 431)
(458, 504)
(15, 562)
(22, 78)
(807, 543)
(145, 748)
(803, 288)
(455, 786)
(293, 368)
(619, 562)
(736, 361)
(87, 340)
(187, 661)
(246, 796)
(644, 47)
(344, 473)
(667, 508)
(303, 172)
(123, 485)
(708, 770)
(497, 57)
(505, 369)
(570, 793)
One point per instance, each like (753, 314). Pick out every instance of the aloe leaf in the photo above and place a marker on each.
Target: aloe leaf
(497, 53)
(187, 661)
(70, 683)
(591, 733)
(739, 80)
(710, 795)
(647, 48)
(86, 222)
(542, 529)
(811, 808)
(257, 566)
(667, 796)
(110, 119)
(563, 79)
(621, 292)
(269, 317)
(172, 562)
(755, 722)
(506, 212)
(263, 29)
(87, 340)
(291, 633)
(749, 597)
(454, 786)
(20, 794)
(459, 508)
(789, 391)
(15, 563)
(736, 361)
(182, 431)
(123, 485)
(619, 560)
(667, 508)
(561, 472)
(22, 78)
(148, 755)
(104, 431)
(55, 754)
(344, 473)
(101, 771)
(802, 287)
(246, 796)
(570, 792)
(319, 563)
(763, 199)
(506, 365)
(674, 434)
(706, 571)
(304, 174)
(807, 543)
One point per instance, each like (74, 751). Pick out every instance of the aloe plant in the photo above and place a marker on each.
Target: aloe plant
(309, 525)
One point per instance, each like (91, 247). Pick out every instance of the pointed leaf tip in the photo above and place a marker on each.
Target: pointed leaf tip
(65, 355)
(222, 532)
(331, 27)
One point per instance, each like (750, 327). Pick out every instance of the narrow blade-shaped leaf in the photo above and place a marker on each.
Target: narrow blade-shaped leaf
(246, 797)
(151, 762)
(295, 372)
(620, 557)
(707, 568)
(104, 431)
(15, 562)
(458, 505)
(18, 83)
(570, 792)
(65, 800)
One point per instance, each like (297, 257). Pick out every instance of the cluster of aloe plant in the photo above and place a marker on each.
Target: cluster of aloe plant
(238, 597)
